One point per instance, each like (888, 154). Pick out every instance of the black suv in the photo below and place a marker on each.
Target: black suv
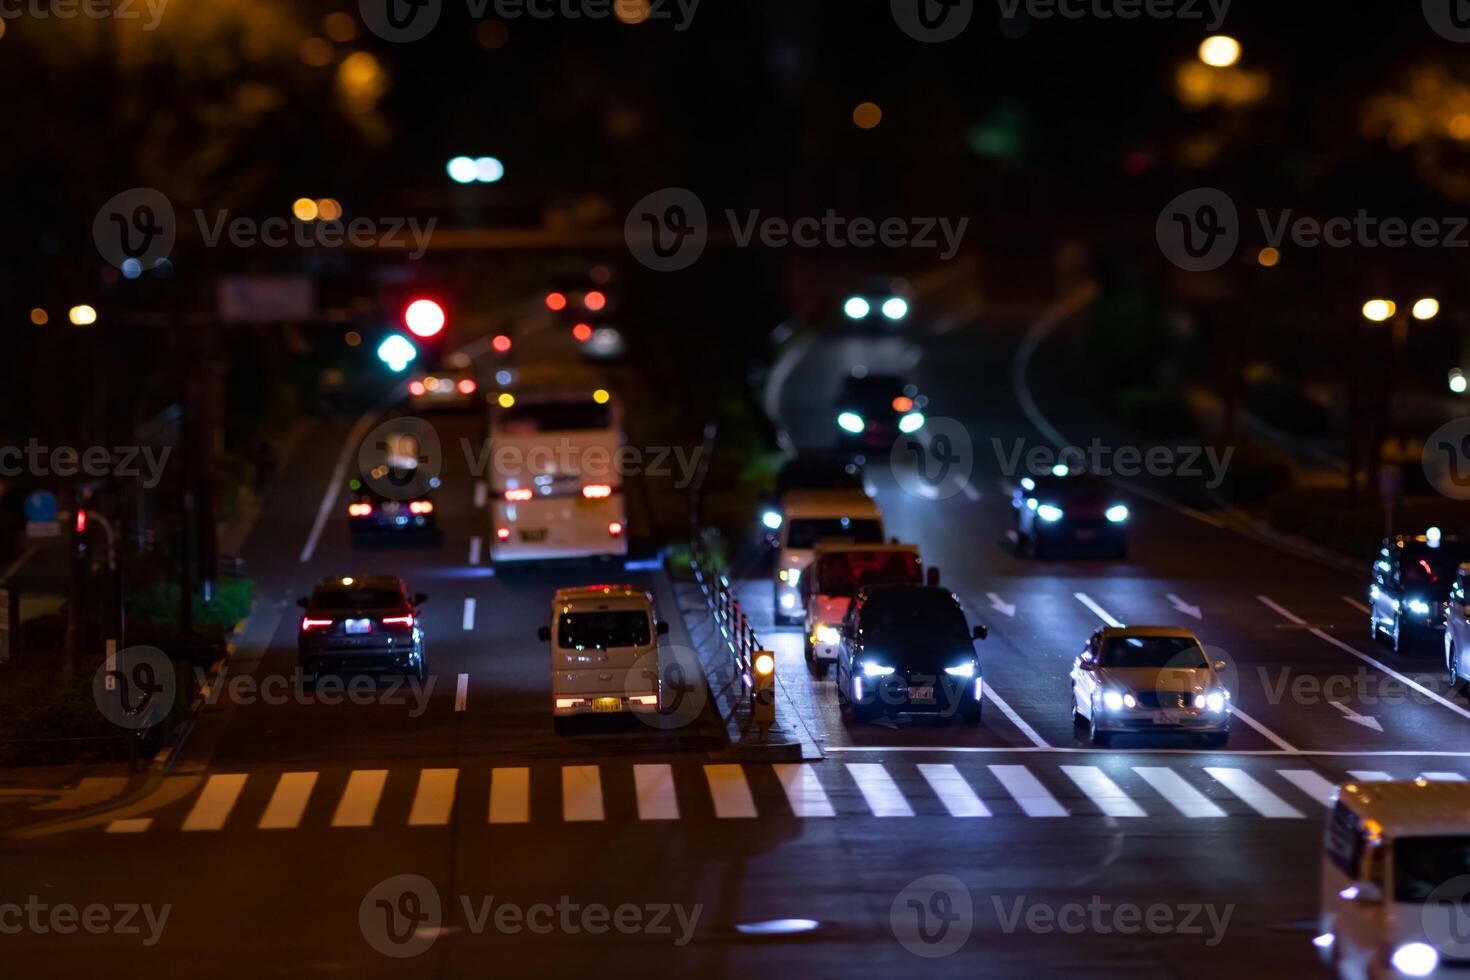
(907, 649)
(361, 624)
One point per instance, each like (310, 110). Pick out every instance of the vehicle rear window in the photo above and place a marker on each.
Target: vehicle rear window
(601, 630)
(805, 532)
(569, 416)
(1178, 652)
(1422, 864)
(340, 599)
(842, 573)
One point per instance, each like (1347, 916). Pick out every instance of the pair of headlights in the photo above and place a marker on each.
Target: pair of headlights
(873, 669)
(1214, 701)
(1051, 513)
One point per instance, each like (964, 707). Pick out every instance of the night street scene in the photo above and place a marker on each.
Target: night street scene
(725, 488)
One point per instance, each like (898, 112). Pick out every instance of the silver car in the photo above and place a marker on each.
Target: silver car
(1147, 679)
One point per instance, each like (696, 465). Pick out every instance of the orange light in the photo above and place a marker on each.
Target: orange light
(360, 509)
(503, 533)
(594, 301)
(596, 491)
(466, 387)
(421, 507)
(501, 344)
(615, 529)
(40, 317)
(582, 332)
(519, 495)
(903, 404)
(556, 302)
(417, 388)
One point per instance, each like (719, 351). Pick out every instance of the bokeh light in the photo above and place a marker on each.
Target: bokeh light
(304, 208)
(316, 52)
(1220, 51)
(328, 209)
(40, 317)
(867, 116)
(1269, 257)
(339, 27)
(82, 315)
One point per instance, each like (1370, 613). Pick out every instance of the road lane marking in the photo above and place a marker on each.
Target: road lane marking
(956, 795)
(134, 825)
(1442, 777)
(89, 792)
(461, 691)
(475, 545)
(1355, 604)
(215, 802)
(730, 791)
(581, 793)
(1369, 775)
(510, 794)
(803, 790)
(656, 799)
(434, 800)
(1182, 796)
(1261, 729)
(879, 790)
(334, 485)
(1181, 606)
(482, 493)
(1015, 718)
(1253, 794)
(1108, 795)
(1320, 789)
(1319, 634)
(1028, 792)
(1367, 721)
(359, 802)
(1000, 605)
(468, 622)
(288, 802)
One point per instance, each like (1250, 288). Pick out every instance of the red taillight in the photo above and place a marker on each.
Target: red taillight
(466, 387)
(359, 510)
(307, 623)
(519, 495)
(615, 529)
(421, 507)
(594, 301)
(596, 491)
(397, 620)
(556, 301)
(503, 533)
(501, 343)
(417, 388)
(582, 332)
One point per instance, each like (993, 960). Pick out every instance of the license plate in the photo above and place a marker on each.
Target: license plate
(921, 693)
(607, 704)
(1170, 717)
(535, 535)
(1087, 535)
(359, 625)
(391, 506)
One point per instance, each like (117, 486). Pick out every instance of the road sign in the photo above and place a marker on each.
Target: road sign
(42, 529)
(266, 299)
(40, 505)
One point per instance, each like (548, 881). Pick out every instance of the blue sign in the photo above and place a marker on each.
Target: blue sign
(41, 506)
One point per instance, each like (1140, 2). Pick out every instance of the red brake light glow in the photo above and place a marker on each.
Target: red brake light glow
(596, 491)
(466, 387)
(307, 623)
(519, 495)
(503, 533)
(556, 302)
(501, 343)
(416, 388)
(595, 300)
(582, 332)
(397, 620)
(615, 529)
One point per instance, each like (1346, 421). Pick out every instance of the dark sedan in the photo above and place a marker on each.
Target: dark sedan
(361, 624)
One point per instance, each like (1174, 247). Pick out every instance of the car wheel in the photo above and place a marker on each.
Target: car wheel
(1374, 632)
(862, 713)
(1452, 661)
(1078, 719)
(1098, 738)
(1397, 636)
(423, 671)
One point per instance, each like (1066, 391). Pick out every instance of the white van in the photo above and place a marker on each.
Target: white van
(1395, 877)
(604, 653)
(809, 516)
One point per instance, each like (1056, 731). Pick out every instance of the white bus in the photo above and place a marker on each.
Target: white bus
(554, 487)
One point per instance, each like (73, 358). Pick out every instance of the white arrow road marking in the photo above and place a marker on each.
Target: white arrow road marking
(1265, 732)
(1184, 607)
(461, 691)
(482, 493)
(469, 614)
(999, 604)
(1367, 721)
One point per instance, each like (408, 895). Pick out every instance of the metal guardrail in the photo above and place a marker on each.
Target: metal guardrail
(739, 636)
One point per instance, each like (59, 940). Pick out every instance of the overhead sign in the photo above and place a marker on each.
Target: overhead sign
(266, 299)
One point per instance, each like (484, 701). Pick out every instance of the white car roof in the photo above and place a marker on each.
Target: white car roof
(593, 597)
(1410, 808)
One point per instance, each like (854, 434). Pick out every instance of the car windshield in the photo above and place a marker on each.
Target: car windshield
(565, 416)
(1422, 864)
(336, 600)
(841, 573)
(805, 532)
(1178, 652)
(914, 618)
(872, 393)
(604, 629)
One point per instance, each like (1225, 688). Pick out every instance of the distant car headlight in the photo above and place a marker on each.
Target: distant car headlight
(1112, 700)
(1117, 513)
(828, 635)
(1049, 513)
(851, 422)
(1415, 959)
(871, 669)
(912, 422)
(788, 600)
(857, 308)
(1418, 606)
(895, 308)
(772, 520)
(961, 670)
(1215, 701)
(1129, 701)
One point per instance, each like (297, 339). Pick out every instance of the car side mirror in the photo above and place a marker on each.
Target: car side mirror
(981, 632)
(1220, 665)
(931, 577)
(661, 627)
(303, 602)
(544, 634)
(419, 598)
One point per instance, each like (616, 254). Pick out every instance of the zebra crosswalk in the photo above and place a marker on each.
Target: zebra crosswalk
(593, 794)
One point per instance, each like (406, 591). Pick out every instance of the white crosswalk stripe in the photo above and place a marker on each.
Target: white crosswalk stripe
(581, 793)
(510, 795)
(1253, 794)
(1028, 792)
(1369, 775)
(288, 802)
(803, 790)
(956, 795)
(729, 791)
(215, 802)
(1182, 796)
(1309, 782)
(879, 790)
(359, 803)
(656, 799)
(1442, 777)
(434, 800)
(1107, 794)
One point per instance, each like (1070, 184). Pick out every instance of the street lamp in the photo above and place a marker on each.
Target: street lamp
(1382, 310)
(1220, 51)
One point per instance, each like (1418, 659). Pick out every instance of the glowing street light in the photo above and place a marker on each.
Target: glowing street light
(463, 170)
(1220, 51)
(1458, 382)
(1426, 309)
(82, 315)
(1380, 310)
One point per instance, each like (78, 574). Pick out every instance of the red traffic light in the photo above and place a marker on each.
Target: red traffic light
(424, 318)
(81, 521)
(501, 343)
